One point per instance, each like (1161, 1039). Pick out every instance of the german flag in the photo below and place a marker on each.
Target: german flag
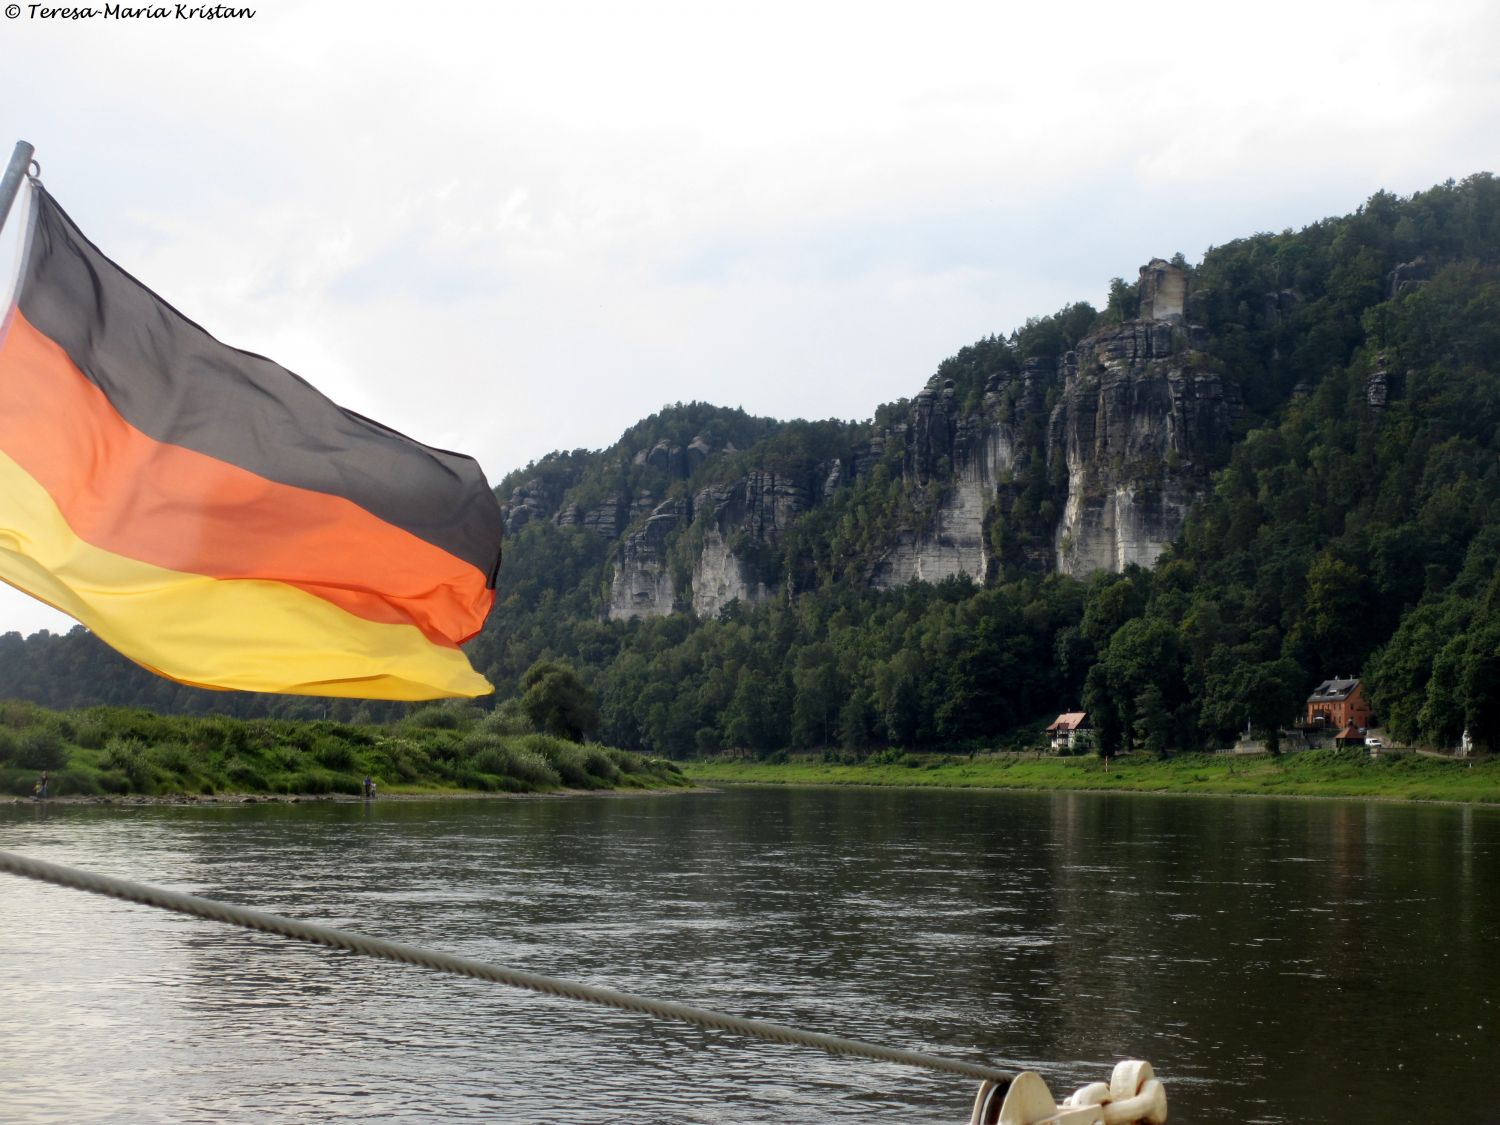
(214, 517)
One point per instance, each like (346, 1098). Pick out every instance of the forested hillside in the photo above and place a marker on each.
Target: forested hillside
(1344, 518)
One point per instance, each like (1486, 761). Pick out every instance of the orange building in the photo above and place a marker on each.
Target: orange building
(1337, 704)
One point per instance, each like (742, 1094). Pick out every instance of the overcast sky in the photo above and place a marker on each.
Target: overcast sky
(510, 228)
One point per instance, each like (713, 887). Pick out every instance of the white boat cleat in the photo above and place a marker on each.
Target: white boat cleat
(1132, 1096)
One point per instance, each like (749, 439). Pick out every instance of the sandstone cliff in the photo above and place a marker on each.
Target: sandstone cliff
(963, 466)
(1142, 419)
(1087, 460)
(643, 584)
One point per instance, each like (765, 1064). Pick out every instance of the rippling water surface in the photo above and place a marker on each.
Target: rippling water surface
(1277, 961)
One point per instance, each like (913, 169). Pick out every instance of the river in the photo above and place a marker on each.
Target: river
(1277, 961)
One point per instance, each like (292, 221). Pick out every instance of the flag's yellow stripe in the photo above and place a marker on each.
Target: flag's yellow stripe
(246, 634)
(144, 499)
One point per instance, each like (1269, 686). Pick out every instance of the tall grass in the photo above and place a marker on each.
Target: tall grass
(111, 750)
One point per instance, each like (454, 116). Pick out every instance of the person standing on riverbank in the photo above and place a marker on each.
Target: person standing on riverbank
(39, 790)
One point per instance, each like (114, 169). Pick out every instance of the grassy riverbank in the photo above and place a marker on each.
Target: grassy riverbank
(106, 751)
(1316, 773)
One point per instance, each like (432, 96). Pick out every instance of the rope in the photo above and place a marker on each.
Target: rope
(297, 930)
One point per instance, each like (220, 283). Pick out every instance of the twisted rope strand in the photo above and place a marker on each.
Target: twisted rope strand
(263, 922)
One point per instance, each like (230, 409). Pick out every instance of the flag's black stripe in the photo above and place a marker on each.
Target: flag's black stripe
(174, 382)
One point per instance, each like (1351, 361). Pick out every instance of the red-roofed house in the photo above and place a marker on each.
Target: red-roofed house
(1335, 704)
(1065, 729)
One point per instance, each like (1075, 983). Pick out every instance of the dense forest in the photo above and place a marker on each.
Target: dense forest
(1352, 528)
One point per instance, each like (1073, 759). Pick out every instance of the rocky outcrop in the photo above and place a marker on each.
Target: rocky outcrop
(721, 577)
(1378, 385)
(528, 501)
(755, 511)
(606, 519)
(1163, 290)
(1140, 423)
(770, 502)
(642, 584)
(677, 461)
(1080, 462)
(953, 542)
(1382, 384)
(1407, 276)
(960, 464)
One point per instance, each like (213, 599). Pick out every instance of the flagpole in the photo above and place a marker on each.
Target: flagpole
(15, 172)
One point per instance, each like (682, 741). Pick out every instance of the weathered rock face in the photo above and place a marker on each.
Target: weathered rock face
(678, 462)
(955, 542)
(606, 519)
(528, 502)
(719, 577)
(1407, 276)
(1382, 384)
(1163, 290)
(1139, 424)
(965, 461)
(642, 583)
(770, 502)
(1087, 461)
(755, 510)
(1378, 384)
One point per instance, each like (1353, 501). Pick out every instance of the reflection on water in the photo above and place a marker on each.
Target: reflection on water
(1277, 961)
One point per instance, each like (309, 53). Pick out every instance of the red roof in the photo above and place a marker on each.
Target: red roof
(1070, 720)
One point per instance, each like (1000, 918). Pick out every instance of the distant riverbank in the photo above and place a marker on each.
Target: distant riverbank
(1315, 773)
(396, 796)
(123, 755)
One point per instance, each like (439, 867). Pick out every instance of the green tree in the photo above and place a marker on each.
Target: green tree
(1328, 632)
(1265, 694)
(556, 701)
(1124, 300)
(1479, 685)
(1143, 678)
(750, 720)
(819, 695)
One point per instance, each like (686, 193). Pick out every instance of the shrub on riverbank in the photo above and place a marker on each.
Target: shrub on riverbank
(1317, 773)
(112, 750)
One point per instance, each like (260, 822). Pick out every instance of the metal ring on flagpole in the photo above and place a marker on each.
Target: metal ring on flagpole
(35, 169)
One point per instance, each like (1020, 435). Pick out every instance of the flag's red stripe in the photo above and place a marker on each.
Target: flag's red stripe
(125, 492)
(178, 385)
